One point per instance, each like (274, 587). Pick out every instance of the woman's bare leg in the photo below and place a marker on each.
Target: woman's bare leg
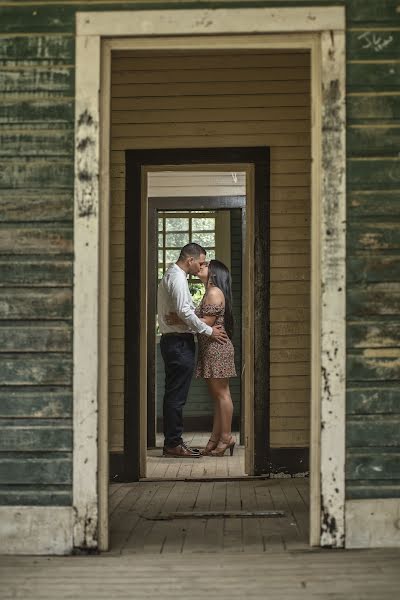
(223, 409)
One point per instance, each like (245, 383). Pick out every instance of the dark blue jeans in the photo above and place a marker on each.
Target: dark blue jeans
(178, 352)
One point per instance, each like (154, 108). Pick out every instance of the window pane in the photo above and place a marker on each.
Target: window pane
(160, 240)
(171, 256)
(210, 254)
(160, 224)
(160, 257)
(177, 224)
(204, 239)
(208, 224)
(160, 273)
(176, 240)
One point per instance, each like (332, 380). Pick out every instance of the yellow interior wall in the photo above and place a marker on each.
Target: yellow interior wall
(218, 100)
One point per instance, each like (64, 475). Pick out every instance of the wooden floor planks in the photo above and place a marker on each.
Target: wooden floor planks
(320, 574)
(140, 521)
(160, 467)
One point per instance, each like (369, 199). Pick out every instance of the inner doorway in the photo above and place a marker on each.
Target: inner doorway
(174, 221)
(255, 163)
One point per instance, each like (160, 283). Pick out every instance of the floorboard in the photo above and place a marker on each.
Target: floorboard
(159, 467)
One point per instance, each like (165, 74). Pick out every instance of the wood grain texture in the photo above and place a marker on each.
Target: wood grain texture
(36, 204)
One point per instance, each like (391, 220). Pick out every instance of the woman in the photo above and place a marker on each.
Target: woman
(215, 361)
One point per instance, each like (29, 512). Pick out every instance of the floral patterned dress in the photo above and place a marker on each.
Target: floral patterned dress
(214, 359)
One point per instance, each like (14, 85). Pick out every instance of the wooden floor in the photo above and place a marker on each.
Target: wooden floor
(317, 575)
(203, 559)
(140, 516)
(160, 467)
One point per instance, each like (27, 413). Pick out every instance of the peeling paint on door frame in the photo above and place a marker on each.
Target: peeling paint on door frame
(322, 31)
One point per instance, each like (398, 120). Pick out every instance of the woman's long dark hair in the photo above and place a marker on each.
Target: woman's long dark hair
(218, 274)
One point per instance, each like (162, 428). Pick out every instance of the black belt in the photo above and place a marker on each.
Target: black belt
(177, 334)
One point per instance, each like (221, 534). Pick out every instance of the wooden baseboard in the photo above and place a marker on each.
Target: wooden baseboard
(289, 461)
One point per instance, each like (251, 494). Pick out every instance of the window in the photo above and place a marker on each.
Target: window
(175, 229)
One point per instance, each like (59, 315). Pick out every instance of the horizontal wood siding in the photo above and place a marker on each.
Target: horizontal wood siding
(373, 254)
(216, 100)
(36, 246)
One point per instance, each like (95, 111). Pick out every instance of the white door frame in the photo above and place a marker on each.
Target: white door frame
(319, 29)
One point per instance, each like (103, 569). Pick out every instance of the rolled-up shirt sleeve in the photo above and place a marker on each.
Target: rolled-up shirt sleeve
(184, 309)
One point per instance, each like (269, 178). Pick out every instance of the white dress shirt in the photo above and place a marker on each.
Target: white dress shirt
(174, 296)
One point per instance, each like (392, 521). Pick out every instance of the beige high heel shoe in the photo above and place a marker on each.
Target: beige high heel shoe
(211, 445)
(220, 450)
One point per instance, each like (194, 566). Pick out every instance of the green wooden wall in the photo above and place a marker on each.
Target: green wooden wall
(36, 205)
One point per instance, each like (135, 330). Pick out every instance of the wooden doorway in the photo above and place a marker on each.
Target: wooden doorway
(256, 384)
(218, 223)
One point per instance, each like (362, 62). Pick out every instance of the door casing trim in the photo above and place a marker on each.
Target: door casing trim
(201, 29)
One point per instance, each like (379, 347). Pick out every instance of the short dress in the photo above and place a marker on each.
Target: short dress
(214, 359)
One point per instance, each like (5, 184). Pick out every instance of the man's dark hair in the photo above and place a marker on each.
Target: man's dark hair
(191, 250)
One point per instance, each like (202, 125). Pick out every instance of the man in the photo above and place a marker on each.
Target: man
(177, 345)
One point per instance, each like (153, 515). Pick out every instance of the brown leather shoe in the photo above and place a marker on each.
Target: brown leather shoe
(180, 451)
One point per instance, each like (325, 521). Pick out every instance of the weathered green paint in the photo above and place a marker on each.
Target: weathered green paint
(40, 272)
(373, 141)
(374, 364)
(371, 11)
(373, 108)
(24, 271)
(35, 337)
(49, 48)
(35, 173)
(40, 110)
(31, 369)
(50, 303)
(370, 76)
(373, 430)
(34, 495)
(57, 80)
(41, 205)
(379, 203)
(26, 435)
(373, 268)
(49, 239)
(40, 143)
(372, 489)
(367, 174)
(375, 299)
(373, 334)
(36, 402)
(370, 236)
(24, 468)
(376, 463)
(373, 400)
